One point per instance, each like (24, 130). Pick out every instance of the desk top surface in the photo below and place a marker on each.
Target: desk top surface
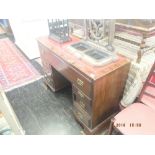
(93, 72)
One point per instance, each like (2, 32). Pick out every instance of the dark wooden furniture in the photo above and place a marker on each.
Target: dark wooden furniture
(96, 90)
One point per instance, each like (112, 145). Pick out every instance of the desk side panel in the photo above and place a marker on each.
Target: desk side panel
(108, 92)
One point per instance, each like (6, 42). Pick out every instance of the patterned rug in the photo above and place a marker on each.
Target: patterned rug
(15, 69)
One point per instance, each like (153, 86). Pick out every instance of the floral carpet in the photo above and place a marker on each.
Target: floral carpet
(15, 69)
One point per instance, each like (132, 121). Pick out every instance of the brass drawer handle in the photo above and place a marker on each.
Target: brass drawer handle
(81, 95)
(79, 82)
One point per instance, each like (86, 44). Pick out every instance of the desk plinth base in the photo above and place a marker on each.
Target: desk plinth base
(99, 128)
(49, 86)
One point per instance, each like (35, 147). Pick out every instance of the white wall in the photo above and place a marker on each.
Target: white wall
(25, 33)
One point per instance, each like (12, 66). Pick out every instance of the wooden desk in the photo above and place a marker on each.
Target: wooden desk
(96, 90)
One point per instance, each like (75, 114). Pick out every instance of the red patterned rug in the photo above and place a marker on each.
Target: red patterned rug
(15, 69)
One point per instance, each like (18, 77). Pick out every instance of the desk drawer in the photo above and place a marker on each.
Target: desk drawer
(83, 117)
(81, 99)
(80, 81)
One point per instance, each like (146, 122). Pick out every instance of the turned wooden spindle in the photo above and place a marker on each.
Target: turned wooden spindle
(142, 46)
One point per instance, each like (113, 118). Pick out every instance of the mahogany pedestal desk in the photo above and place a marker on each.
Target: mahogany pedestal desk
(96, 91)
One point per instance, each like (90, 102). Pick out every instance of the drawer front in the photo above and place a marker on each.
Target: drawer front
(84, 102)
(80, 81)
(82, 117)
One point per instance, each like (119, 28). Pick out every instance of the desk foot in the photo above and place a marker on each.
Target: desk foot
(47, 86)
